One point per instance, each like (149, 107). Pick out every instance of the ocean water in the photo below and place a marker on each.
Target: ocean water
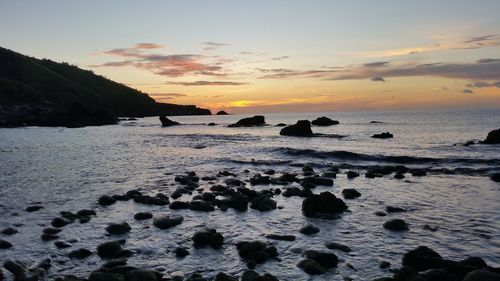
(68, 169)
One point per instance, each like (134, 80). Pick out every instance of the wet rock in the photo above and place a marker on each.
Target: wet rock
(258, 179)
(106, 200)
(380, 213)
(9, 231)
(422, 258)
(300, 129)
(202, 206)
(238, 202)
(221, 112)
(143, 275)
(85, 213)
(165, 122)
(350, 193)
(317, 262)
(295, 191)
(384, 264)
(5, 244)
(314, 181)
(482, 275)
(48, 237)
(79, 254)
(338, 246)
(158, 200)
(352, 174)
(263, 203)
(23, 273)
(179, 205)
(208, 237)
(221, 276)
(329, 174)
(250, 275)
(143, 216)
(118, 228)
(257, 120)
(281, 237)
(256, 252)
(324, 121)
(399, 176)
(393, 209)
(309, 229)
(33, 208)
(396, 225)
(181, 252)
(418, 173)
(431, 227)
(108, 250)
(62, 244)
(407, 273)
(165, 222)
(60, 222)
(50, 230)
(104, 276)
(495, 177)
(234, 182)
(311, 267)
(280, 125)
(385, 135)
(493, 137)
(323, 204)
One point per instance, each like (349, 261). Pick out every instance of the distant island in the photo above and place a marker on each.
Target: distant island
(41, 92)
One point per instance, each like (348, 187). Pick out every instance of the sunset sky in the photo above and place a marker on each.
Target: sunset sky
(275, 56)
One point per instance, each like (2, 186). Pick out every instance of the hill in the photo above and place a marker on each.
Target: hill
(42, 92)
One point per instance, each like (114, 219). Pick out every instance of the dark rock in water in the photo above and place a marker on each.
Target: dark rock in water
(250, 275)
(257, 120)
(211, 124)
(309, 229)
(179, 205)
(393, 209)
(50, 230)
(329, 174)
(258, 179)
(60, 222)
(376, 122)
(385, 135)
(323, 204)
(396, 225)
(295, 191)
(222, 112)
(22, 273)
(482, 275)
(221, 276)
(238, 202)
(62, 244)
(5, 244)
(281, 237)
(33, 208)
(422, 258)
(48, 237)
(165, 122)
(106, 200)
(143, 275)
(85, 213)
(493, 137)
(317, 262)
(300, 129)
(399, 176)
(255, 252)
(431, 227)
(263, 203)
(418, 172)
(181, 252)
(495, 177)
(380, 213)
(311, 267)
(208, 237)
(104, 276)
(143, 216)
(9, 231)
(79, 254)
(108, 250)
(350, 193)
(314, 181)
(324, 121)
(352, 174)
(200, 205)
(384, 264)
(118, 228)
(338, 246)
(280, 125)
(164, 222)
(234, 182)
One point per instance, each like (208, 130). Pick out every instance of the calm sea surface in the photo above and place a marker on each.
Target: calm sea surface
(68, 169)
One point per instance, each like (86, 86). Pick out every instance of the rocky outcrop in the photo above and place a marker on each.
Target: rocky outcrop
(385, 135)
(324, 121)
(493, 137)
(300, 129)
(257, 120)
(165, 122)
(222, 112)
(324, 204)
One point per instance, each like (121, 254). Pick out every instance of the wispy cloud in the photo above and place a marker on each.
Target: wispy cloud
(206, 83)
(280, 58)
(467, 91)
(378, 79)
(483, 84)
(210, 46)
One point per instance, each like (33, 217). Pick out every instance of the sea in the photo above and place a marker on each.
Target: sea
(68, 169)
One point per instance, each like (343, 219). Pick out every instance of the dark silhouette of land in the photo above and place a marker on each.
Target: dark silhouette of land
(42, 92)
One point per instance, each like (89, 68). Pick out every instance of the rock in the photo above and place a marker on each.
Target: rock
(179, 205)
(62, 244)
(86, 213)
(255, 252)
(202, 206)
(317, 262)
(280, 125)
(208, 237)
(431, 227)
(380, 213)
(309, 229)
(323, 204)
(311, 267)
(164, 222)
(314, 181)
(238, 202)
(211, 124)
(118, 228)
(352, 174)
(422, 258)
(9, 231)
(60, 222)
(143, 216)
(482, 275)
(181, 252)
(221, 276)
(329, 174)
(33, 208)
(350, 193)
(493, 137)
(495, 177)
(5, 244)
(258, 179)
(250, 275)
(22, 273)
(418, 172)
(385, 135)
(222, 112)
(384, 264)
(324, 121)
(48, 237)
(50, 230)
(393, 209)
(257, 120)
(108, 250)
(300, 129)
(407, 273)
(396, 225)
(79, 254)
(399, 176)
(103, 276)
(165, 122)
(281, 237)
(338, 246)
(143, 275)
(106, 200)
(263, 203)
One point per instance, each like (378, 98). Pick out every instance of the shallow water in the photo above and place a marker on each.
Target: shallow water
(68, 169)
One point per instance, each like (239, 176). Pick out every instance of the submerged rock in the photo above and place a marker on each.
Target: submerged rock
(143, 216)
(108, 250)
(22, 273)
(164, 222)
(396, 225)
(493, 137)
(181, 252)
(300, 129)
(165, 122)
(326, 203)
(309, 229)
(79, 254)
(118, 228)
(255, 252)
(324, 121)
(5, 244)
(281, 237)
(33, 208)
(338, 246)
(352, 174)
(385, 135)
(208, 237)
(317, 262)
(350, 193)
(9, 231)
(257, 120)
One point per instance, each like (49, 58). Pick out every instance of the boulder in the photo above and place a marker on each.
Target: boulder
(164, 222)
(22, 273)
(317, 262)
(9, 231)
(311, 267)
(422, 258)
(338, 246)
(482, 275)
(352, 174)
(5, 244)
(33, 208)
(181, 252)
(222, 112)
(108, 250)
(263, 203)
(105, 276)
(106, 200)
(323, 204)
(221, 276)
(143, 216)
(309, 229)
(396, 225)
(350, 193)
(118, 228)
(79, 254)
(208, 237)
(324, 121)
(495, 177)
(143, 275)
(300, 129)
(385, 135)
(165, 122)
(62, 244)
(60, 222)
(257, 120)
(493, 137)
(255, 252)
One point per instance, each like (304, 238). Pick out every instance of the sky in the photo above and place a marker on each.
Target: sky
(275, 56)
